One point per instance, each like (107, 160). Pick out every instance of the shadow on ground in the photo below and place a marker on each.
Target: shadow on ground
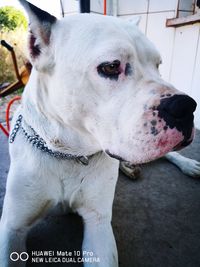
(156, 219)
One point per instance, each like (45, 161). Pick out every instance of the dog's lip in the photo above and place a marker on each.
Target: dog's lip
(182, 144)
(185, 141)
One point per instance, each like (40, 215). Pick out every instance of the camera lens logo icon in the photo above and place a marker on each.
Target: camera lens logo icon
(15, 256)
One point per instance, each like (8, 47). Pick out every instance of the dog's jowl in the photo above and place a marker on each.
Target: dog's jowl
(94, 96)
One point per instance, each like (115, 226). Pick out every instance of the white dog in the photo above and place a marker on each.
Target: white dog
(94, 96)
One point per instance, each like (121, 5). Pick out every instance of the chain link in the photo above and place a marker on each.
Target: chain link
(40, 144)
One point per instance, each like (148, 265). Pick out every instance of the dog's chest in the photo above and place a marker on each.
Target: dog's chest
(71, 183)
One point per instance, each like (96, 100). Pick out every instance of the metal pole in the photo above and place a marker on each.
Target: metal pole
(114, 7)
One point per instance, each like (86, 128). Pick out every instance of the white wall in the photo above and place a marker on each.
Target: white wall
(179, 47)
(70, 6)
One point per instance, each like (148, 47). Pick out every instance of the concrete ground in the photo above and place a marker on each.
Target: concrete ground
(156, 219)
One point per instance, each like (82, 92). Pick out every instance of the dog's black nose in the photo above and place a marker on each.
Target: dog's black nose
(179, 106)
(177, 111)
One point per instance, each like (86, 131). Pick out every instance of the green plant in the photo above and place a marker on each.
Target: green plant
(12, 30)
(11, 18)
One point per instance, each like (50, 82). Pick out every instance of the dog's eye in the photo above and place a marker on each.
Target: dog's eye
(109, 69)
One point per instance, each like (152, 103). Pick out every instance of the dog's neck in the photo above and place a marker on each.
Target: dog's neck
(59, 136)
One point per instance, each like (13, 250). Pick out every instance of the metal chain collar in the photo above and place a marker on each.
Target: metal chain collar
(40, 144)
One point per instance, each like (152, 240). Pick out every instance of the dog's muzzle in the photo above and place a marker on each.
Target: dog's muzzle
(177, 112)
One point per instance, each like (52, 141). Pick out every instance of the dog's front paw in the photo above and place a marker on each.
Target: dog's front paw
(191, 167)
(130, 170)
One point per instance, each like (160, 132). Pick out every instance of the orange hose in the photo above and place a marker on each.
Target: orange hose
(16, 98)
(104, 7)
(4, 130)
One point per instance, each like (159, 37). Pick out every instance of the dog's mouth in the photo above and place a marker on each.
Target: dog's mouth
(185, 142)
(181, 145)
(172, 141)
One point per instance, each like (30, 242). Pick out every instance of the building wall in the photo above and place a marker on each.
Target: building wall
(179, 47)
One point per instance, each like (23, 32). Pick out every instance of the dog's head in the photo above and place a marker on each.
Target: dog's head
(100, 77)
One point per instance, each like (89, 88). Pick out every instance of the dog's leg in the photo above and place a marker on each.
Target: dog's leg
(99, 242)
(130, 170)
(188, 166)
(12, 241)
(24, 204)
(93, 201)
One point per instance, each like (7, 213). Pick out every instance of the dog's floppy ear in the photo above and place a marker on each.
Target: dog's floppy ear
(40, 26)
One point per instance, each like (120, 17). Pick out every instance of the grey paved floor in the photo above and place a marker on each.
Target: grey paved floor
(156, 219)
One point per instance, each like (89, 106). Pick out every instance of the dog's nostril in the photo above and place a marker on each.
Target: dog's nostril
(178, 106)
